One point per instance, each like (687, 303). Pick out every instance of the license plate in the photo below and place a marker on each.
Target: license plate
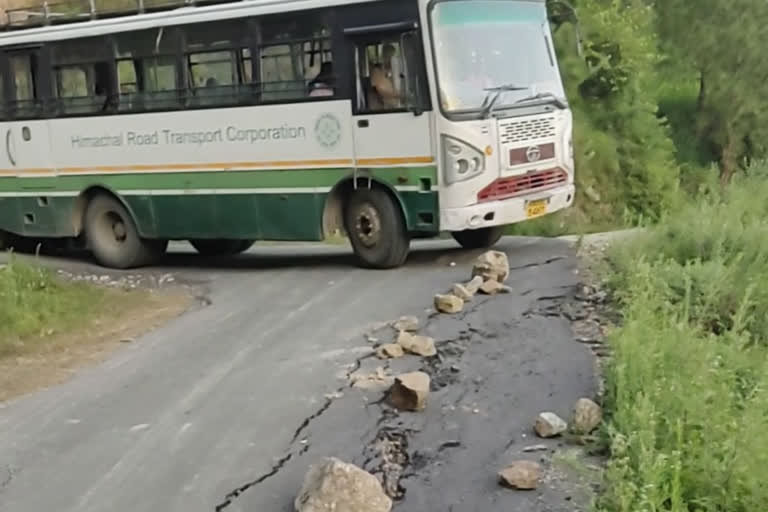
(536, 208)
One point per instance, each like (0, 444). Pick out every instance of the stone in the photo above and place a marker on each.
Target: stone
(460, 291)
(491, 287)
(334, 485)
(492, 265)
(410, 391)
(390, 351)
(587, 415)
(419, 345)
(407, 323)
(549, 424)
(378, 380)
(521, 474)
(448, 304)
(473, 286)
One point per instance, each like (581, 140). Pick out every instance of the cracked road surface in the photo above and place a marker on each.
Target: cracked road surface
(225, 407)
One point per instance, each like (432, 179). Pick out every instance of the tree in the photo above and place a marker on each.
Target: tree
(726, 41)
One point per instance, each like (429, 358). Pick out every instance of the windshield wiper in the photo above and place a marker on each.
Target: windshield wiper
(559, 103)
(488, 105)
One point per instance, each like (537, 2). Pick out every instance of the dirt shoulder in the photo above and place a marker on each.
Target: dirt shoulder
(80, 334)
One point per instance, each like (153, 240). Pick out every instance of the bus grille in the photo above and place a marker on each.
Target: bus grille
(504, 188)
(526, 130)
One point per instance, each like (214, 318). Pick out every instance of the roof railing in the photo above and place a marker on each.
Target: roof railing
(49, 12)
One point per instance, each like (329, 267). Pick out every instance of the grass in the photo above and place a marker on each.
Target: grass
(34, 305)
(687, 389)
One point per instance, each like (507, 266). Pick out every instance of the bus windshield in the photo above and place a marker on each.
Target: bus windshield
(488, 47)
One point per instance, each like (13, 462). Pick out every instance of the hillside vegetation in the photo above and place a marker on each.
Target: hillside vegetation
(667, 99)
(671, 133)
(687, 389)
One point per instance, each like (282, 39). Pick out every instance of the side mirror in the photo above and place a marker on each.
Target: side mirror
(567, 13)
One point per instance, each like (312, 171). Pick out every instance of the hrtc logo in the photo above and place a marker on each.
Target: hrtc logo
(328, 130)
(533, 153)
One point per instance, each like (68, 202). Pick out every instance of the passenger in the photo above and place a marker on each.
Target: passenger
(385, 80)
(322, 84)
(208, 93)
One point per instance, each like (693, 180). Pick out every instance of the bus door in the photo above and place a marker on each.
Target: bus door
(391, 128)
(25, 136)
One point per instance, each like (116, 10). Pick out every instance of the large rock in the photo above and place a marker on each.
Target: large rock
(521, 474)
(473, 286)
(587, 415)
(491, 287)
(407, 323)
(419, 345)
(448, 304)
(410, 391)
(492, 265)
(549, 424)
(337, 486)
(461, 291)
(390, 351)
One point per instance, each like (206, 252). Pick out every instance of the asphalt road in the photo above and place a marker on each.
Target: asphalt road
(225, 407)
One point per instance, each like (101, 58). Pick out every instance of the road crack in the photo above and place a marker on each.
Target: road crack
(8, 478)
(230, 497)
(292, 452)
(548, 261)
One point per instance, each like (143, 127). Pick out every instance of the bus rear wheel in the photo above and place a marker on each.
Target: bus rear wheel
(478, 238)
(217, 247)
(376, 229)
(113, 237)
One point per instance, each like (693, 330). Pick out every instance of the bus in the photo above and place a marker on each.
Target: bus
(223, 123)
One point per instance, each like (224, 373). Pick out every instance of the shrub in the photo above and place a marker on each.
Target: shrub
(687, 389)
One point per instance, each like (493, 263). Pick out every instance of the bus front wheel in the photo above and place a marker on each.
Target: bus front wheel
(478, 238)
(217, 247)
(113, 237)
(376, 229)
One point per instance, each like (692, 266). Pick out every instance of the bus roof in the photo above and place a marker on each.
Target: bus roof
(177, 12)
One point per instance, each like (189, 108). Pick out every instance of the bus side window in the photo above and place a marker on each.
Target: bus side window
(280, 78)
(83, 76)
(23, 68)
(213, 76)
(213, 61)
(381, 76)
(146, 70)
(296, 60)
(4, 111)
(416, 90)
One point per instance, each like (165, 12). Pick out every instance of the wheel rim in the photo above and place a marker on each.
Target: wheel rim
(112, 229)
(368, 225)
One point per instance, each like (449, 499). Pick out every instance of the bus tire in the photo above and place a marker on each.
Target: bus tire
(376, 229)
(482, 238)
(113, 238)
(221, 247)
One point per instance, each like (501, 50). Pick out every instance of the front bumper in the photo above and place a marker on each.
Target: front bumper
(507, 211)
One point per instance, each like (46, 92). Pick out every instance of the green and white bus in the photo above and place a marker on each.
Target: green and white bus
(224, 123)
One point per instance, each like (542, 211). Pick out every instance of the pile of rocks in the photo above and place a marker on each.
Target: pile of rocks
(407, 341)
(488, 275)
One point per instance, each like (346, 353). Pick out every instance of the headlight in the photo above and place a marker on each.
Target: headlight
(460, 160)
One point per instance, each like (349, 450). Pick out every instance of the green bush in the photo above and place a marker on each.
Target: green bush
(687, 389)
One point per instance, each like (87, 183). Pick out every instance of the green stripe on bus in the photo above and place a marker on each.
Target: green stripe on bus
(300, 178)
